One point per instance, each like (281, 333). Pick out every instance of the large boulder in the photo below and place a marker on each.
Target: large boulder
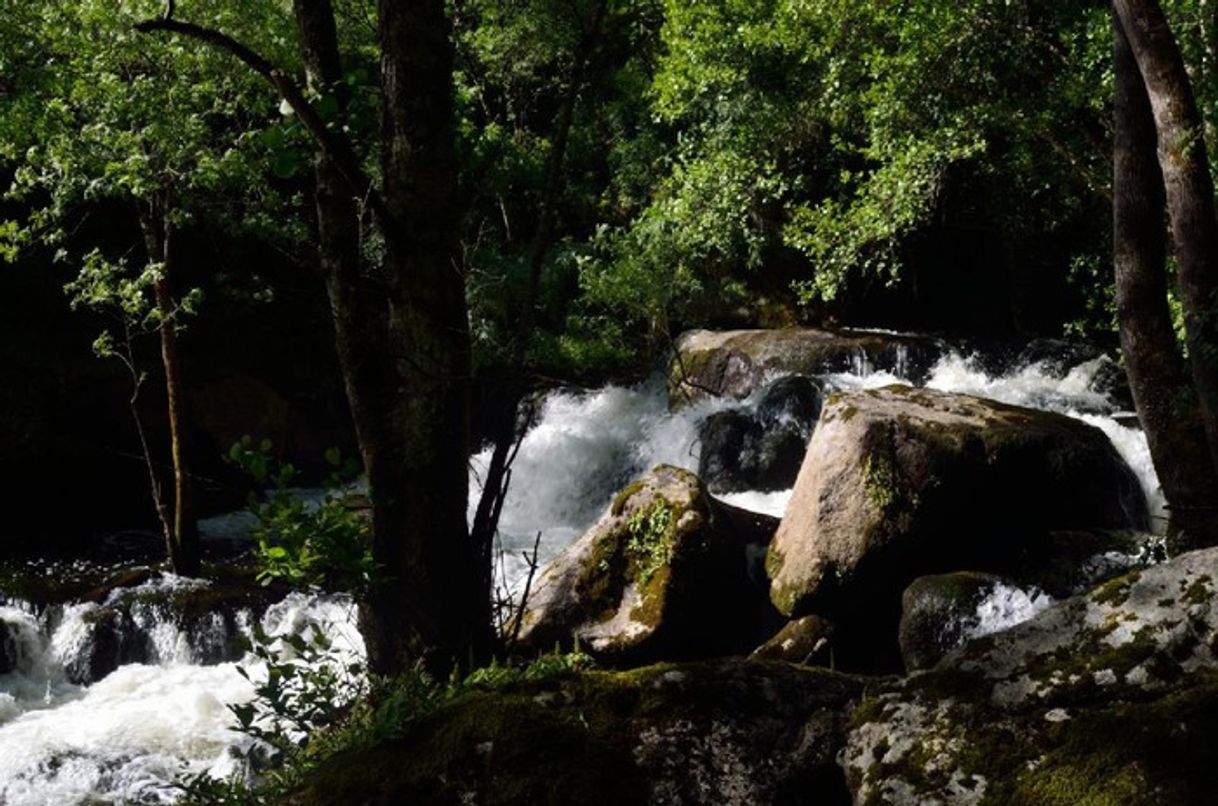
(733, 732)
(735, 363)
(1106, 698)
(760, 448)
(901, 482)
(664, 574)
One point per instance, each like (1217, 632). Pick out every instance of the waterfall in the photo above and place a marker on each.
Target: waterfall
(586, 445)
(128, 736)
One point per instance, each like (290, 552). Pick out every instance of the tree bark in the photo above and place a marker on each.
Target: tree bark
(404, 341)
(181, 534)
(432, 604)
(1190, 194)
(1157, 374)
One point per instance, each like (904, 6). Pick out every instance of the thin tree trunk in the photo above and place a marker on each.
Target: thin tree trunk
(1190, 193)
(1157, 374)
(181, 537)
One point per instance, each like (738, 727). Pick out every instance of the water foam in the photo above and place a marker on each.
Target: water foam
(126, 738)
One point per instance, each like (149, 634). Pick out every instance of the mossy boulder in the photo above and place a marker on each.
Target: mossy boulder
(901, 482)
(807, 640)
(1110, 697)
(938, 613)
(735, 363)
(731, 732)
(760, 448)
(664, 574)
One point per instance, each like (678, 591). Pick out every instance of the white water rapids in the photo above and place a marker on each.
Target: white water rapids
(588, 445)
(127, 737)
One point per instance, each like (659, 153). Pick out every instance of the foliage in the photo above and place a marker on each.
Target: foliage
(311, 707)
(651, 539)
(302, 543)
(303, 686)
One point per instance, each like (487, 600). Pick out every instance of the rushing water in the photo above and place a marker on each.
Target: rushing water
(587, 445)
(127, 737)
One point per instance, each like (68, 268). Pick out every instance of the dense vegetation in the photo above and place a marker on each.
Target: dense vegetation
(366, 217)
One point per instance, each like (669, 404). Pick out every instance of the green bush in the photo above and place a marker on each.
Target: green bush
(304, 544)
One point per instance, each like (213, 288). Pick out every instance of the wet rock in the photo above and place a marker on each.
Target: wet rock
(735, 363)
(724, 732)
(762, 448)
(664, 574)
(1108, 697)
(111, 639)
(728, 441)
(1057, 356)
(807, 640)
(1072, 561)
(9, 649)
(900, 482)
(938, 613)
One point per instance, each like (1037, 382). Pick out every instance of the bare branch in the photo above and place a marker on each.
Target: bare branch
(335, 147)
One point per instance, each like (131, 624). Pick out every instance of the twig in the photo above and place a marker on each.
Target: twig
(531, 560)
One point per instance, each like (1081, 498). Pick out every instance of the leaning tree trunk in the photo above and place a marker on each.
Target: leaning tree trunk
(1158, 377)
(1190, 193)
(181, 530)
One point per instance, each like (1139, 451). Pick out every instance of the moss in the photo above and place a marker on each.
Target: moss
(652, 539)
(570, 739)
(786, 597)
(1114, 592)
(622, 498)
(880, 481)
(1199, 592)
(869, 709)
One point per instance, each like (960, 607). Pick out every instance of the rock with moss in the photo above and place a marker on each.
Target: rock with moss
(1110, 697)
(664, 574)
(729, 732)
(735, 363)
(939, 612)
(807, 640)
(901, 482)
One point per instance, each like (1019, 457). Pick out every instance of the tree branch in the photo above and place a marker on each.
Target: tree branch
(336, 148)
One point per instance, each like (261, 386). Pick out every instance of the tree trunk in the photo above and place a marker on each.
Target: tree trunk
(1190, 194)
(1157, 374)
(404, 341)
(181, 535)
(432, 604)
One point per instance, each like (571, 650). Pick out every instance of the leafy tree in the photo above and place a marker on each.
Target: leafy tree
(401, 319)
(824, 143)
(103, 116)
